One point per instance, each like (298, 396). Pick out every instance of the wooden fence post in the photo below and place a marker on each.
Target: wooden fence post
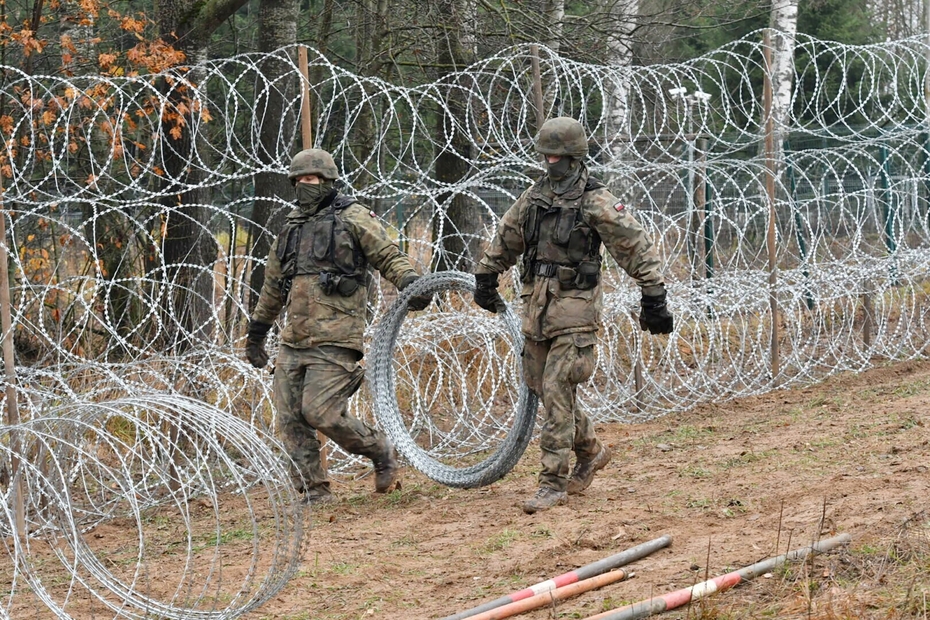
(306, 133)
(306, 129)
(771, 172)
(9, 366)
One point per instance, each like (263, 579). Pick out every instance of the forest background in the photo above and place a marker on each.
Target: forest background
(403, 42)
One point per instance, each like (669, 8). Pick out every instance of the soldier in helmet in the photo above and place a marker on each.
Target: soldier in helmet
(318, 270)
(558, 226)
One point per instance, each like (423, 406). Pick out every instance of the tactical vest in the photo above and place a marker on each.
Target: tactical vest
(559, 244)
(322, 245)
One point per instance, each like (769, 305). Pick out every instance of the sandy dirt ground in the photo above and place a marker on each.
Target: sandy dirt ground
(727, 482)
(731, 484)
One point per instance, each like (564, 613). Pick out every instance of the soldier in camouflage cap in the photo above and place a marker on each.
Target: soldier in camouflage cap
(558, 226)
(318, 270)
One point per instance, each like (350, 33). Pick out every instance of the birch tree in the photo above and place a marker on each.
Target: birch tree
(623, 14)
(785, 27)
(554, 12)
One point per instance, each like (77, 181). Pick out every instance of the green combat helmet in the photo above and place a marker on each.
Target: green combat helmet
(562, 136)
(313, 161)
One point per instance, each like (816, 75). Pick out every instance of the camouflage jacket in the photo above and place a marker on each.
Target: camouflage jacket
(315, 318)
(553, 307)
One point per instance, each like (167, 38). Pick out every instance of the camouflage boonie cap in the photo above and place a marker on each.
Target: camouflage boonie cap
(562, 136)
(313, 161)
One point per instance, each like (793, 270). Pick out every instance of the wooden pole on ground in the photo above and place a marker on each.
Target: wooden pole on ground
(9, 366)
(547, 599)
(306, 133)
(770, 165)
(575, 576)
(685, 596)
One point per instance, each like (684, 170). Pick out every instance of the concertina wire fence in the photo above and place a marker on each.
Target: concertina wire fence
(123, 428)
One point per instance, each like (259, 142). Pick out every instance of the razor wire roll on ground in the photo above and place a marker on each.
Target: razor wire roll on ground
(151, 468)
(407, 429)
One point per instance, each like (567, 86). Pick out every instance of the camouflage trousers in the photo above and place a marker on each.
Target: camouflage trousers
(553, 369)
(312, 388)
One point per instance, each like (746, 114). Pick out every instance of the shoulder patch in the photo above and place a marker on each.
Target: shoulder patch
(619, 206)
(372, 214)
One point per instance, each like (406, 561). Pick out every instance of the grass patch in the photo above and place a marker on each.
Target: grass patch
(499, 542)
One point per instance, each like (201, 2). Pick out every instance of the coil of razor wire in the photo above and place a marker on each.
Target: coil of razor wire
(148, 506)
(399, 425)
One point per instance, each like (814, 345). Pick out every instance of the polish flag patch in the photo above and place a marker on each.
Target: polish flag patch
(619, 206)
(372, 214)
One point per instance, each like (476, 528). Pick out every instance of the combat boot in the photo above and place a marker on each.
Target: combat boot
(386, 471)
(544, 499)
(584, 471)
(319, 497)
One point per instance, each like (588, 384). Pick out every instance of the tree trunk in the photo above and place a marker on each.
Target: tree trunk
(188, 247)
(554, 11)
(785, 25)
(457, 222)
(623, 15)
(371, 28)
(277, 27)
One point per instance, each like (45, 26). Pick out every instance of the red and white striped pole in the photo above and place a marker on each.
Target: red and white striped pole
(546, 599)
(579, 574)
(672, 600)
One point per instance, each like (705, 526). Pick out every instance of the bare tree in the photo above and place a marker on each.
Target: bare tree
(901, 18)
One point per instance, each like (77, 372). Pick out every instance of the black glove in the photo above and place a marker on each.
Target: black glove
(655, 315)
(418, 302)
(255, 344)
(486, 294)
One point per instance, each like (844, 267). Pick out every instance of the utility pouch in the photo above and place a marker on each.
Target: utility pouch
(564, 226)
(346, 285)
(587, 276)
(322, 237)
(579, 244)
(328, 282)
(565, 276)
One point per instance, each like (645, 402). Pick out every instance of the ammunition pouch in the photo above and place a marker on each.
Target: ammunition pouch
(588, 275)
(343, 284)
(583, 277)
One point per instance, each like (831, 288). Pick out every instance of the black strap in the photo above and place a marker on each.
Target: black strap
(546, 270)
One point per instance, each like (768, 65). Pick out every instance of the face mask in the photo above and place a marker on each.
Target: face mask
(563, 174)
(559, 169)
(310, 195)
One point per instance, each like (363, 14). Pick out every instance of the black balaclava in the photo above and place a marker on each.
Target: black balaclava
(310, 195)
(564, 173)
